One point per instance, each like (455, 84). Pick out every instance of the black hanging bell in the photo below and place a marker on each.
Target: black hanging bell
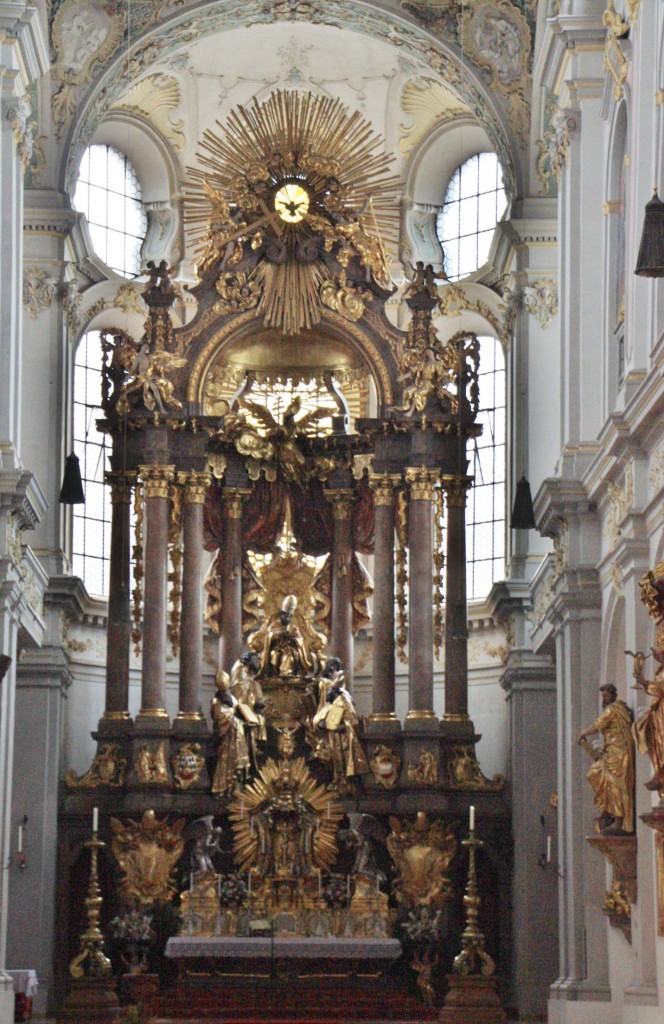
(523, 515)
(651, 253)
(71, 492)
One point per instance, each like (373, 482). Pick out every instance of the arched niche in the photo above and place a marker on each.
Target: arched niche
(246, 344)
(614, 643)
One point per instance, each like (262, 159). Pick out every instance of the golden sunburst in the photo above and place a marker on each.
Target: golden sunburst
(298, 190)
(265, 791)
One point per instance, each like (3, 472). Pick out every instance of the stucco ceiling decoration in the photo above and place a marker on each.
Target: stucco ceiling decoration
(181, 27)
(155, 98)
(297, 197)
(428, 103)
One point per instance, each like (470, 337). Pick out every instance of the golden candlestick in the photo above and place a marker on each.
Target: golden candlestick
(473, 958)
(92, 962)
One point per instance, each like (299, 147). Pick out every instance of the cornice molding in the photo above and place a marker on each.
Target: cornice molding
(21, 31)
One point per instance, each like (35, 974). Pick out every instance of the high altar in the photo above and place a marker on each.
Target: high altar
(285, 822)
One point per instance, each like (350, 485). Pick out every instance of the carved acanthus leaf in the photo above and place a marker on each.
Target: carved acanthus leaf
(427, 102)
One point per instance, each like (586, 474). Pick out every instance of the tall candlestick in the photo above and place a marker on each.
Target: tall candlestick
(548, 849)
(472, 818)
(95, 819)
(249, 886)
(20, 839)
(191, 881)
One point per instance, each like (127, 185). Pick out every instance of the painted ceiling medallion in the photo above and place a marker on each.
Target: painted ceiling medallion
(297, 195)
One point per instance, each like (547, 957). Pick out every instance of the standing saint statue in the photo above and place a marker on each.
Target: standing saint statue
(649, 726)
(611, 774)
(337, 723)
(233, 762)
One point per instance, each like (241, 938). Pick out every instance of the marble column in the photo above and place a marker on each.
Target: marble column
(341, 614)
(157, 480)
(420, 594)
(383, 702)
(456, 608)
(230, 640)
(194, 486)
(119, 617)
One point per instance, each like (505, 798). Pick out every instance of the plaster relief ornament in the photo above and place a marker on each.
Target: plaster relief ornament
(39, 290)
(297, 198)
(496, 36)
(422, 853)
(385, 765)
(84, 35)
(147, 852)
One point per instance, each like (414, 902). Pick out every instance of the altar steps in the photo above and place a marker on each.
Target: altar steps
(263, 1004)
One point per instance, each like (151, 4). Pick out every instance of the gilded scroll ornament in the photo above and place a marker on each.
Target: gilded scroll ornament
(237, 293)
(422, 853)
(147, 852)
(107, 769)
(615, 61)
(553, 147)
(425, 771)
(462, 771)
(187, 765)
(385, 766)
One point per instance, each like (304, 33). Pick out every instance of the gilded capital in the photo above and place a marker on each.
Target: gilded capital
(121, 484)
(342, 501)
(456, 489)
(156, 480)
(194, 486)
(422, 482)
(383, 486)
(232, 498)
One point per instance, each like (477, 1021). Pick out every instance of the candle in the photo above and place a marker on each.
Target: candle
(95, 819)
(320, 884)
(328, 808)
(218, 885)
(548, 849)
(20, 839)
(242, 808)
(191, 881)
(249, 886)
(472, 818)
(348, 886)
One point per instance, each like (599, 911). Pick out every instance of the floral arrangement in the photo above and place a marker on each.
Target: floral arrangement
(232, 889)
(423, 927)
(335, 892)
(132, 926)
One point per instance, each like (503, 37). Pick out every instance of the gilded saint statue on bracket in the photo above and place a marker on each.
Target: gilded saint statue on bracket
(611, 774)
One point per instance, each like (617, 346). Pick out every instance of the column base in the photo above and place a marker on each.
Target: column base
(458, 727)
(421, 720)
(382, 725)
(6, 999)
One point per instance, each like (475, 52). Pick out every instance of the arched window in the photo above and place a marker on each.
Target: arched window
(485, 530)
(474, 203)
(109, 194)
(91, 539)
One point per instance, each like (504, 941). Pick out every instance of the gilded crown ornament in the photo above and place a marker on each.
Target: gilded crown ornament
(296, 197)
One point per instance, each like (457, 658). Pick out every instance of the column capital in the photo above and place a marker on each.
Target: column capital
(195, 486)
(422, 482)
(156, 480)
(121, 484)
(342, 500)
(232, 498)
(383, 485)
(456, 489)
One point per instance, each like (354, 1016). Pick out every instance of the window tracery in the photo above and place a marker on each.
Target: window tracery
(109, 194)
(475, 201)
